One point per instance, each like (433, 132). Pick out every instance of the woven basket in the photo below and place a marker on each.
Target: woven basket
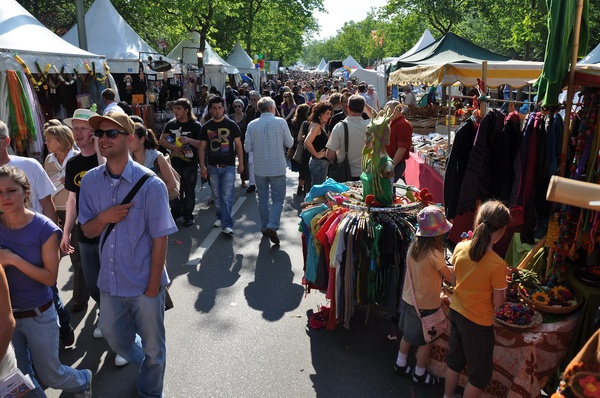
(536, 319)
(551, 309)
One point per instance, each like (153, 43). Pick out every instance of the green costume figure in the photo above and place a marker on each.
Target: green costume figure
(377, 166)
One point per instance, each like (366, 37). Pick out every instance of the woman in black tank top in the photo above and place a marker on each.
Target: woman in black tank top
(316, 140)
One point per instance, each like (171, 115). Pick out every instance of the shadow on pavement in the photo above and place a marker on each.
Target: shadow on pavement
(344, 359)
(273, 291)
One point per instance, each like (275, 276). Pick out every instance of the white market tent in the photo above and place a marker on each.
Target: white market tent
(216, 68)
(351, 63)
(592, 58)
(109, 34)
(376, 78)
(425, 40)
(244, 64)
(22, 34)
(322, 68)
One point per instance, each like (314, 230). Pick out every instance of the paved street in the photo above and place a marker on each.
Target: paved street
(240, 323)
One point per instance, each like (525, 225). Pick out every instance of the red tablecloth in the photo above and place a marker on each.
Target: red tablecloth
(523, 359)
(421, 175)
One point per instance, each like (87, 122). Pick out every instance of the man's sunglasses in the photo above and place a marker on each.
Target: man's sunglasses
(109, 133)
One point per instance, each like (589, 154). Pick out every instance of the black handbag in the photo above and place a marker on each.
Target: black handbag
(340, 171)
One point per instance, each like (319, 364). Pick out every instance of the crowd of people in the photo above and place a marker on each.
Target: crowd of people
(97, 163)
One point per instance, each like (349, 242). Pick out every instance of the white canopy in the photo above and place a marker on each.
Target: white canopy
(109, 34)
(22, 34)
(244, 64)
(215, 67)
(351, 63)
(377, 79)
(322, 66)
(425, 40)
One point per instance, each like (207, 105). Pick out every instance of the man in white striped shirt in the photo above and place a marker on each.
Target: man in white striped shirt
(266, 138)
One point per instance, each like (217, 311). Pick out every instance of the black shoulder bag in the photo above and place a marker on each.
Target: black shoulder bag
(341, 171)
(127, 199)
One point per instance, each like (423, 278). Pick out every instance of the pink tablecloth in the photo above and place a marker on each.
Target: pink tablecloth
(421, 175)
(523, 360)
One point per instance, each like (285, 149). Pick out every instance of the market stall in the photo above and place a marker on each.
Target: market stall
(41, 76)
(523, 359)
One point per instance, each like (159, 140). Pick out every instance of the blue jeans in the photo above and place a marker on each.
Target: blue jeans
(36, 344)
(64, 319)
(134, 328)
(90, 265)
(318, 170)
(187, 195)
(269, 217)
(222, 184)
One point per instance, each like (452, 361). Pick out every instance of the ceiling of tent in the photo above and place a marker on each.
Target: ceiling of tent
(514, 73)
(22, 34)
(109, 34)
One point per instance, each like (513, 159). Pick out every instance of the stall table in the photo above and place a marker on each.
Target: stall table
(523, 359)
(421, 175)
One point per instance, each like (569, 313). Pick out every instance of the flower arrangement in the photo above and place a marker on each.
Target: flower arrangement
(555, 296)
(516, 314)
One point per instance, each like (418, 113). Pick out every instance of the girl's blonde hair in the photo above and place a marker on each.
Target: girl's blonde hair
(62, 134)
(491, 217)
(423, 246)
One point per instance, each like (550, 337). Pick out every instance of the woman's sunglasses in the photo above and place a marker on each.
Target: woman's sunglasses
(109, 133)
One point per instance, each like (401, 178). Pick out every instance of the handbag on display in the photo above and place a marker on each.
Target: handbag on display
(433, 325)
(340, 171)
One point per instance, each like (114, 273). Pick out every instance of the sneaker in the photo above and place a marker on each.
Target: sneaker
(120, 361)
(67, 336)
(97, 333)
(405, 370)
(87, 393)
(251, 188)
(189, 222)
(217, 224)
(228, 231)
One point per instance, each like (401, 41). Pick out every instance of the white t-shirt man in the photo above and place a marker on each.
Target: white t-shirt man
(357, 129)
(40, 183)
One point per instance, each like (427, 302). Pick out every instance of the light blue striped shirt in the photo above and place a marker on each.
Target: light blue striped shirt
(125, 258)
(266, 138)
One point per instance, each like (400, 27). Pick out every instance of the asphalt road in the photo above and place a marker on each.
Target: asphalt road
(239, 327)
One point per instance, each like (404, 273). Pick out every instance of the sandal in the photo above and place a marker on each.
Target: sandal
(405, 370)
(426, 379)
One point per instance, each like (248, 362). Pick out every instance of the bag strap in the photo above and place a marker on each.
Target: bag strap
(345, 138)
(127, 199)
(412, 291)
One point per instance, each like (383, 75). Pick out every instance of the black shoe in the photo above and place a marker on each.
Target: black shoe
(78, 307)
(67, 336)
(188, 222)
(251, 188)
(272, 234)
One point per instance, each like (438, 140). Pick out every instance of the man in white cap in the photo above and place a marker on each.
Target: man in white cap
(373, 100)
(133, 250)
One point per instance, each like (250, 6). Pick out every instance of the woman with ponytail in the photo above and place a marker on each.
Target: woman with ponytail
(479, 289)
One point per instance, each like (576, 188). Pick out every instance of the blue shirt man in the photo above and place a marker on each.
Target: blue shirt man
(266, 138)
(133, 278)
